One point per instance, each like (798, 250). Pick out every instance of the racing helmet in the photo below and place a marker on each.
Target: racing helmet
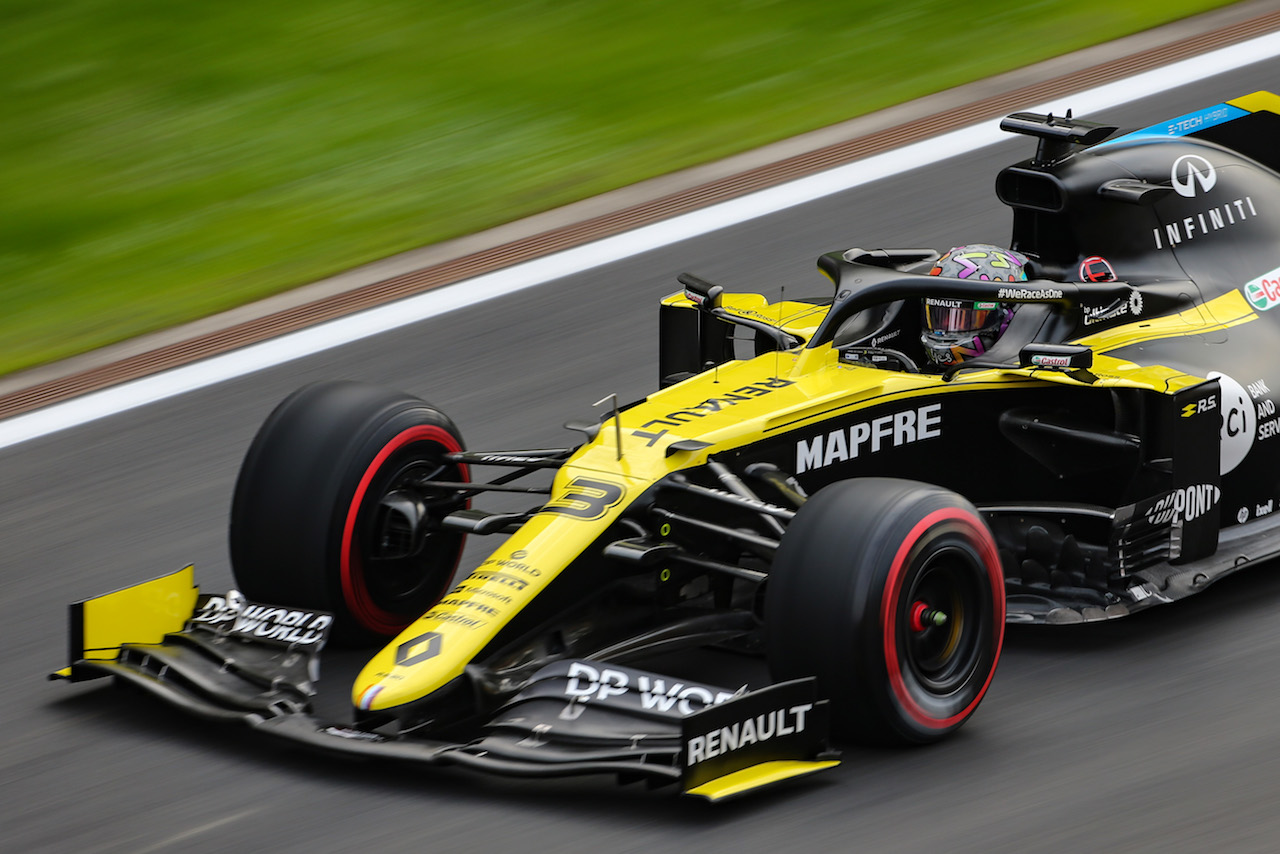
(955, 329)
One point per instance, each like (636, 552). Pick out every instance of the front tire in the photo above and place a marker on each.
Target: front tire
(890, 592)
(305, 513)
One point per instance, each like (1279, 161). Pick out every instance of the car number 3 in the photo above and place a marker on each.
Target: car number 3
(585, 498)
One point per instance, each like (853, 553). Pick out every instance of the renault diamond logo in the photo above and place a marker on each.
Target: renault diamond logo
(1189, 170)
(418, 650)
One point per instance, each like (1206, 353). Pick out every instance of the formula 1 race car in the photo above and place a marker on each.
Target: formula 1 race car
(806, 483)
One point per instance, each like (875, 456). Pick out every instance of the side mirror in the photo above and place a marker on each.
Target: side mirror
(700, 291)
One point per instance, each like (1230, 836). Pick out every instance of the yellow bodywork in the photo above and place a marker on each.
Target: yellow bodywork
(1256, 101)
(758, 776)
(143, 613)
(798, 318)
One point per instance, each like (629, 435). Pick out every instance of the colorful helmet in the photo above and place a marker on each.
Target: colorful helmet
(954, 329)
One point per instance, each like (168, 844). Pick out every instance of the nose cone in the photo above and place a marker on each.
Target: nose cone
(437, 647)
(409, 668)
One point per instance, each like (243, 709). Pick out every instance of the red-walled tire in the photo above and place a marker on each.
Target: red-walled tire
(853, 598)
(304, 506)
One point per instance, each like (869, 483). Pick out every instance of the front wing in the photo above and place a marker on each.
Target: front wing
(226, 659)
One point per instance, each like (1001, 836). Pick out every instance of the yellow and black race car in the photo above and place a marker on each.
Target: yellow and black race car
(863, 486)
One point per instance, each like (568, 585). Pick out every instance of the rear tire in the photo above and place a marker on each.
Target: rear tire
(853, 598)
(302, 516)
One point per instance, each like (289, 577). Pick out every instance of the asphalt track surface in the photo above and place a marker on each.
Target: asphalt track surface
(1160, 732)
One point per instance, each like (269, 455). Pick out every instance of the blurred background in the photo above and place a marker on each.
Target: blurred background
(160, 162)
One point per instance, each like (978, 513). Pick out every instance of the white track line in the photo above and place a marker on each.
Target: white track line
(306, 342)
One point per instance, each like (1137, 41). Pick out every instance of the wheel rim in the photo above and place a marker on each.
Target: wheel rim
(380, 592)
(943, 656)
(939, 674)
(396, 579)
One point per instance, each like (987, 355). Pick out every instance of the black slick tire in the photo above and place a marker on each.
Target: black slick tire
(301, 516)
(890, 593)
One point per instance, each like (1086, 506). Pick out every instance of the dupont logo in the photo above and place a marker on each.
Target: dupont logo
(1184, 505)
(1263, 293)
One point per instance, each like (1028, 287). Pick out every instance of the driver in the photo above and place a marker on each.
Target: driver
(955, 330)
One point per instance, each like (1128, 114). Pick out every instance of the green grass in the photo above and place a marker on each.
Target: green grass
(161, 161)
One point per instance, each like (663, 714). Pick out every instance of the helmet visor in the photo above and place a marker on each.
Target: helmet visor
(950, 315)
